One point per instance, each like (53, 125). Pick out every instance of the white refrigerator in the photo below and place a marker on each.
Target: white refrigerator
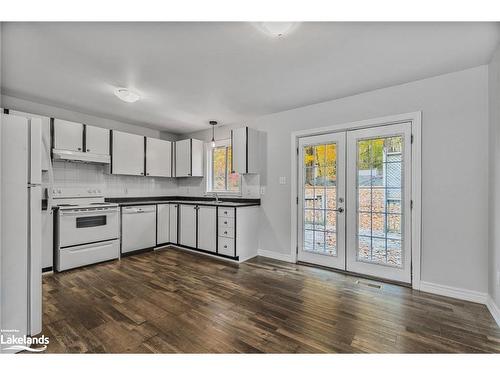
(21, 239)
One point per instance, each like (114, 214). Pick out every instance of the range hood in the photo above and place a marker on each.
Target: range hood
(84, 157)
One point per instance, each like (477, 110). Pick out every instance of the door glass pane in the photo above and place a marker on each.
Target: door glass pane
(379, 200)
(320, 198)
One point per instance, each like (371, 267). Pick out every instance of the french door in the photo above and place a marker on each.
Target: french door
(354, 201)
(322, 196)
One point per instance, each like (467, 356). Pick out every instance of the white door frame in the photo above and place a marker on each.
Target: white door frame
(416, 170)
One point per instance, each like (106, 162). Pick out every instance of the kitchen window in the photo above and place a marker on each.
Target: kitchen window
(219, 176)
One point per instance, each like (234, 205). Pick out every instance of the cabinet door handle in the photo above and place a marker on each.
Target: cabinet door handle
(225, 232)
(79, 149)
(225, 246)
(88, 149)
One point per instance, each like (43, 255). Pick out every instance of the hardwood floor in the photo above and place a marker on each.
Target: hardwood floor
(171, 301)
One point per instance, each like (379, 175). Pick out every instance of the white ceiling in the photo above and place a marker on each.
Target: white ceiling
(189, 73)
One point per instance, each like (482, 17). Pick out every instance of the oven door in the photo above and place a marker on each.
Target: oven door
(82, 226)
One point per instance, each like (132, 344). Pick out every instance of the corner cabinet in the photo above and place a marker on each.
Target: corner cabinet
(158, 158)
(245, 151)
(166, 223)
(189, 158)
(127, 153)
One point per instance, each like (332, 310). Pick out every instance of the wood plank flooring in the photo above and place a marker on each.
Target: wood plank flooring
(172, 301)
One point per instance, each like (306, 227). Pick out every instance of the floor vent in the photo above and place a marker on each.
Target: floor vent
(362, 282)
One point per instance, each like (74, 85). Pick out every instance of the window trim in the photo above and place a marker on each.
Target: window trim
(209, 174)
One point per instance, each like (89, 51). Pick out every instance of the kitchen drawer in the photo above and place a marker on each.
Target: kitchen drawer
(226, 212)
(226, 231)
(226, 221)
(226, 246)
(77, 256)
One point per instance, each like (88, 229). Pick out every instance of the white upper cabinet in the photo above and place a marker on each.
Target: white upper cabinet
(245, 150)
(68, 135)
(189, 158)
(127, 153)
(96, 140)
(183, 158)
(196, 158)
(158, 158)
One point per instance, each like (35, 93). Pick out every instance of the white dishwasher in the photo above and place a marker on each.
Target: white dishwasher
(138, 228)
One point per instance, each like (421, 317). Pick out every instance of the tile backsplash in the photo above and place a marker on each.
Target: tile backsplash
(72, 174)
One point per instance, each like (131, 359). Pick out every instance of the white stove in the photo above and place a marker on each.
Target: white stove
(69, 198)
(86, 227)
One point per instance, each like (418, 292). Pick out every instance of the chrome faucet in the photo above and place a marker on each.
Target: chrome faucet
(216, 198)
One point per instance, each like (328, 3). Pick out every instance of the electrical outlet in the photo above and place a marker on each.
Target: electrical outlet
(262, 190)
(283, 180)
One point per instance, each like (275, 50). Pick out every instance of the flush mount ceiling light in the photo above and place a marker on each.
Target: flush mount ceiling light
(213, 124)
(127, 95)
(277, 29)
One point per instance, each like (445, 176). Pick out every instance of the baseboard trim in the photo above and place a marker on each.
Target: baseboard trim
(494, 309)
(274, 255)
(449, 291)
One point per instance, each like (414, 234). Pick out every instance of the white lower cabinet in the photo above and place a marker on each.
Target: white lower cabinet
(187, 225)
(162, 224)
(173, 209)
(166, 223)
(207, 228)
(226, 231)
(226, 246)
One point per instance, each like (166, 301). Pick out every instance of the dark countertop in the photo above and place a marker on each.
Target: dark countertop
(201, 201)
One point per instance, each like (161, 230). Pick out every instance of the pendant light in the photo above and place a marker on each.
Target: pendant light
(213, 123)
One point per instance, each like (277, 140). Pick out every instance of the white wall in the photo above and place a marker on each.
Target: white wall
(494, 168)
(454, 168)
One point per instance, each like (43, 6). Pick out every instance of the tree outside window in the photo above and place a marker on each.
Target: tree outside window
(220, 177)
